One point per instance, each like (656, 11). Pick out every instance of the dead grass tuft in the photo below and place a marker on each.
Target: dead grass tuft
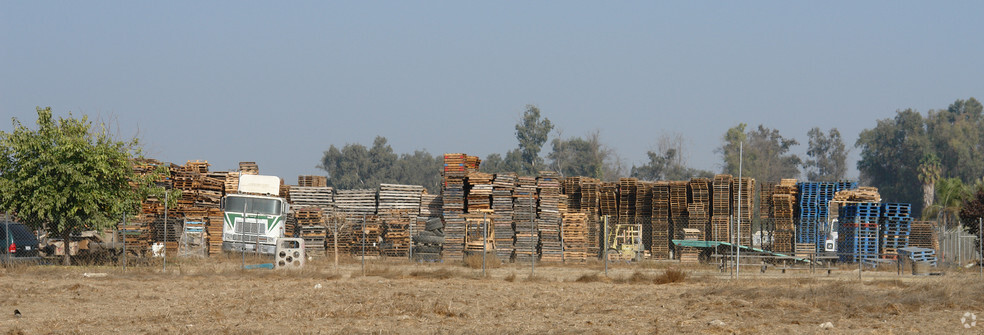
(667, 277)
(671, 276)
(379, 271)
(511, 277)
(441, 273)
(592, 278)
(474, 261)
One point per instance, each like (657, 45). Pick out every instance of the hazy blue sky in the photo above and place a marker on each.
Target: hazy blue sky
(278, 82)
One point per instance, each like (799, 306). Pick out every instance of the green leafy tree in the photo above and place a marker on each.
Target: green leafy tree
(956, 135)
(67, 176)
(827, 156)
(766, 154)
(951, 193)
(495, 163)
(890, 154)
(579, 156)
(355, 166)
(532, 132)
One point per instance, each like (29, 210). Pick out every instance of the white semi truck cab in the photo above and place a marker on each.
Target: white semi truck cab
(254, 218)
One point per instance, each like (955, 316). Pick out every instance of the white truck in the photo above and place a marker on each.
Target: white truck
(255, 217)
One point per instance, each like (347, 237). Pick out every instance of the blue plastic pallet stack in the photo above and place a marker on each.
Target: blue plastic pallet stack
(896, 224)
(813, 201)
(858, 232)
(919, 254)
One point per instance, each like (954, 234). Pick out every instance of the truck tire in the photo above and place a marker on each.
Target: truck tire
(429, 239)
(427, 249)
(434, 224)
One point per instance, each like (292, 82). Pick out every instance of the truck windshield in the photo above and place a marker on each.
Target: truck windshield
(253, 205)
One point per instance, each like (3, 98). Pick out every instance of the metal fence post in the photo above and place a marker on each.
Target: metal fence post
(604, 252)
(485, 238)
(124, 242)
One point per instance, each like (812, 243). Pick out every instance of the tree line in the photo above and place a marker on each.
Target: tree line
(931, 161)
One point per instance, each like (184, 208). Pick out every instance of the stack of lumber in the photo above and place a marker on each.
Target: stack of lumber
(312, 228)
(524, 215)
(396, 231)
(627, 199)
(923, 235)
(502, 214)
(355, 202)
(549, 216)
(478, 187)
(745, 204)
(660, 248)
(249, 168)
(312, 181)
(400, 197)
(213, 226)
(575, 236)
(312, 196)
(697, 210)
(456, 168)
(589, 206)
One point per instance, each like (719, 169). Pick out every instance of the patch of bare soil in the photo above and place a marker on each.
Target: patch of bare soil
(396, 297)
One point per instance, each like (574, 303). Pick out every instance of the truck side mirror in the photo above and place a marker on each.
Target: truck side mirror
(222, 204)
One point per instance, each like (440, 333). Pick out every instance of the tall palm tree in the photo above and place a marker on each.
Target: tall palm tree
(929, 173)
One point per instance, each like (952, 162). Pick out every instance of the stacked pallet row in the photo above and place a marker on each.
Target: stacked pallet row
(502, 214)
(549, 216)
(312, 181)
(746, 206)
(524, 216)
(814, 199)
(660, 248)
(430, 207)
(572, 189)
(213, 229)
(201, 191)
(923, 235)
(453, 197)
(231, 184)
(697, 210)
(396, 231)
(895, 226)
(312, 228)
(765, 204)
(627, 200)
(644, 211)
(690, 254)
(366, 236)
(783, 203)
(589, 206)
(858, 232)
(721, 208)
(608, 201)
(478, 187)
(343, 230)
(312, 196)
(575, 236)
(138, 229)
(249, 168)
(355, 202)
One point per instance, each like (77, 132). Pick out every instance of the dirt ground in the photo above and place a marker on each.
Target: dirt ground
(398, 297)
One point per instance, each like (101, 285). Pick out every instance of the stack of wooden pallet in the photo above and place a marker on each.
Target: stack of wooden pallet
(366, 235)
(456, 168)
(342, 229)
(721, 208)
(572, 189)
(608, 201)
(549, 216)
(743, 211)
(400, 197)
(355, 202)
(690, 254)
(644, 211)
(524, 215)
(311, 196)
(765, 204)
(396, 231)
(312, 181)
(231, 184)
(137, 234)
(589, 206)
(627, 199)
(249, 168)
(213, 226)
(502, 214)
(697, 210)
(923, 235)
(678, 210)
(312, 228)
(478, 187)
(783, 200)
(660, 248)
(575, 236)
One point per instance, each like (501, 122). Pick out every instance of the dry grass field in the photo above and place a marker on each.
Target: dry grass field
(397, 297)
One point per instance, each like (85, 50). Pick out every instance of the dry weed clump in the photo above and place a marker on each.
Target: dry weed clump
(379, 271)
(441, 273)
(592, 278)
(474, 261)
(667, 277)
